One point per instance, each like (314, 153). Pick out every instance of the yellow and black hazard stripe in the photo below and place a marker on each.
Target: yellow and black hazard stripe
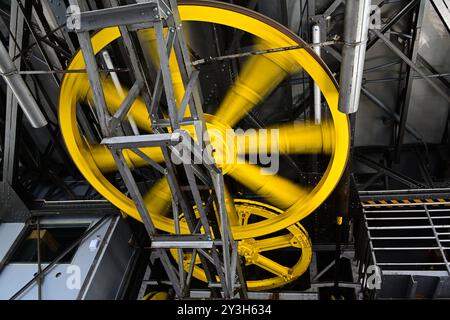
(446, 202)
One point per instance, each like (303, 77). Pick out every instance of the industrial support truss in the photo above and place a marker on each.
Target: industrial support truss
(209, 237)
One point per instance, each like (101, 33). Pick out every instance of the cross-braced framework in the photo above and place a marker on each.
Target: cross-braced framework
(202, 201)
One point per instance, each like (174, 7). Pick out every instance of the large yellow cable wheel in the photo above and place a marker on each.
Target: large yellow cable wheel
(255, 251)
(260, 75)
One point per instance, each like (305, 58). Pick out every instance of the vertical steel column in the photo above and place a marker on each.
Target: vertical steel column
(17, 92)
(145, 216)
(93, 74)
(414, 48)
(356, 26)
(317, 94)
(178, 199)
(16, 29)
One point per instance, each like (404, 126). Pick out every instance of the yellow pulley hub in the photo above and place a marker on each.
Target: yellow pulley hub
(254, 251)
(260, 75)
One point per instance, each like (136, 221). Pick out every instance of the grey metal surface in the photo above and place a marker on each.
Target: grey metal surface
(149, 140)
(443, 9)
(115, 16)
(20, 89)
(12, 208)
(409, 242)
(356, 26)
(181, 241)
(16, 26)
(15, 275)
(405, 194)
(262, 295)
(132, 187)
(317, 93)
(373, 127)
(126, 104)
(413, 54)
(408, 61)
(430, 121)
(95, 82)
(113, 254)
(8, 234)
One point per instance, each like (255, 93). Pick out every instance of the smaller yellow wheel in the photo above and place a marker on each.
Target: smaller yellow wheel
(268, 273)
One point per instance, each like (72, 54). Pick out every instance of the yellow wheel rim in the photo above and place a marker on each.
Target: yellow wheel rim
(73, 88)
(251, 249)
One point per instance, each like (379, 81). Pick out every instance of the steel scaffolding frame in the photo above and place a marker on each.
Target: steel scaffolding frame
(215, 247)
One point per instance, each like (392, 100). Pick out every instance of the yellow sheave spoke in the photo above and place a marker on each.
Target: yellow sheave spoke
(271, 266)
(292, 138)
(243, 219)
(274, 243)
(148, 39)
(105, 161)
(158, 199)
(113, 101)
(277, 190)
(260, 75)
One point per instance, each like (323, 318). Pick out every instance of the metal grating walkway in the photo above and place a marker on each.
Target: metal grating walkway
(409, 243)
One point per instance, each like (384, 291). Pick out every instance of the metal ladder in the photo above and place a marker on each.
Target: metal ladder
(215, 247)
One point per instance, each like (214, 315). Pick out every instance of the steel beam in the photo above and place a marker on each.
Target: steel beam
(393, 20)
(116, 16)
(391, 113)
(414, 48)
(142, 141)
(442, 8)
(181, 241)
(389, 172)
(356, 26)
(145, 216)
(408, 61)
(20, 89)
(11, 112)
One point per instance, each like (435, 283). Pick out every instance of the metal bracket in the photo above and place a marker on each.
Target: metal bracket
(132, 14)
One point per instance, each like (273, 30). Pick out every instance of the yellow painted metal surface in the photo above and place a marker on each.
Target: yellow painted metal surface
(292, 138)
(259, 76)
(157, 296)
(252, 86)
(253, 250)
